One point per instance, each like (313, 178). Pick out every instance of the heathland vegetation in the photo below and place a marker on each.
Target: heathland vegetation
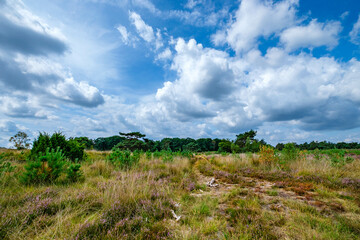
(131, 187)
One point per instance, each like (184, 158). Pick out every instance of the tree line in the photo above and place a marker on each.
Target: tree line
(244, 142)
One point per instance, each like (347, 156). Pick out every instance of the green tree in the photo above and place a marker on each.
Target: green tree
(133, 141)
(225, 146)
(70, 148)
(242, 138)
(20, 140)
(192, 147)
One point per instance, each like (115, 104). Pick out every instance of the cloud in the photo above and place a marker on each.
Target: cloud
(204, 76)
(79, 93)
(313, 35)
(17, 24)
(164, 55)
(124, 34)
(31, 68)
(234, 94)
(147, 5)
(255, 19)
(87, 124)
(21, 107)
(200, 14)
(145, 31)
(7, 126)
(354, 34)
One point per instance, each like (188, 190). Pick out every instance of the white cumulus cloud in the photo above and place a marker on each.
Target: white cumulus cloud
(313, 35)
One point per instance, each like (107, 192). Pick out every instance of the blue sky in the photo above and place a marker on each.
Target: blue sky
(289, 69)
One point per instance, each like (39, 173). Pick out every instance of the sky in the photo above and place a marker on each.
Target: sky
(289, 69)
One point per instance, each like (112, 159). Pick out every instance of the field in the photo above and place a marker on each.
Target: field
(301, 195)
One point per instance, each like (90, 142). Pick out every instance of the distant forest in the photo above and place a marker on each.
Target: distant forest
(244, 142)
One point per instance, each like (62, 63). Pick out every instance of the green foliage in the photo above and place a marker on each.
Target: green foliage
(132, 145)
(133, 141)
(5, 167)
(71, 148)
(225, 146)
(192, 147)
(243, 138)
(45, 168)
(290, 152)
(337, 157)
(148, 155)
(20, 140)
(235, 148)
(85, 142)
(167, 156)
(74, 150)
(124, 159)
(105, 144)
(73, 172)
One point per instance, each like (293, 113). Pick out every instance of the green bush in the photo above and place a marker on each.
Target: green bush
(148, 155)
(45, 168)
(5, 167)
(124, 159)
(73, 172)
(71, 149)
(290, 152)
(167, 156)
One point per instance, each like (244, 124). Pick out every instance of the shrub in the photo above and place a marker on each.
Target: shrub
(148, 155)
(267, 155)
(124, 159)
(5, 167)
(74, 150)
(71, 149)
(73, 172)
(167, 156)
(290, 152)
(45, 168)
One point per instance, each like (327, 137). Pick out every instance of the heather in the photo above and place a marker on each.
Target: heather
(288, 194)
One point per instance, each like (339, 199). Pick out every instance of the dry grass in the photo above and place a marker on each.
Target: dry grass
(305, 198)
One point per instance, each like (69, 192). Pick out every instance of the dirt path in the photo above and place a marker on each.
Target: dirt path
(271, 194)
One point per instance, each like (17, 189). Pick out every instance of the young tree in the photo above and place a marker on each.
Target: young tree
(20, 140)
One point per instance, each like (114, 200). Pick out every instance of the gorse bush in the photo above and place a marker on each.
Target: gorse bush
(124, 159)
(45, 168)
(71, 148)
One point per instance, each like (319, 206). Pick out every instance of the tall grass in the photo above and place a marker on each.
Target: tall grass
(259, 196)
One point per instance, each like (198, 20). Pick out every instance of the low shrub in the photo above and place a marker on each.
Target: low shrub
(73, 172)
(267, 155)
(45, 168)
(71, 148)
(167, 156)
(124, 159)
(290, 152)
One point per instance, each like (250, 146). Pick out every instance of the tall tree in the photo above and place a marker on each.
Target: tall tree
(20, 140)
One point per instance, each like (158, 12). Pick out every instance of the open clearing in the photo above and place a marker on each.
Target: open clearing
(203, 197)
